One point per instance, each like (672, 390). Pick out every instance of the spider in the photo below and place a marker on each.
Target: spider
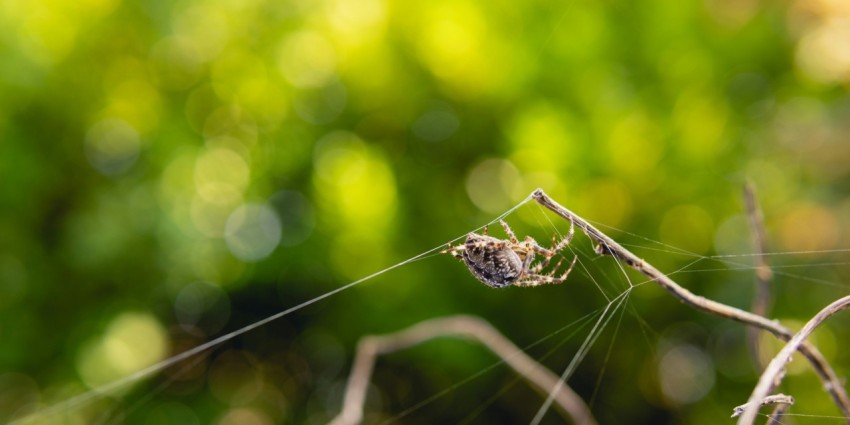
(500, 263)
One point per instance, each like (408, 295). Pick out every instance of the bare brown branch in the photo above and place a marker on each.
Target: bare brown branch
(764, 275)
(773, 373)
(779, 400)
(370, 347)
(607, 246)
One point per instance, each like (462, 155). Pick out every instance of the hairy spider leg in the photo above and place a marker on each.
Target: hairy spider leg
(567, 272)
(569, 269)
(529, 256)
(531, 248)
(567, 239)
(548, 254)
(535, 279)
(455, 251)
(541, 265)
(509, 231)
(534, 275)
(561, 246)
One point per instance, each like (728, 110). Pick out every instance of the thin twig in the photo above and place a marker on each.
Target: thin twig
(764, 276)
(542, 379)
(776, 399)
(607, 246)
(772, 374)
(778, 410)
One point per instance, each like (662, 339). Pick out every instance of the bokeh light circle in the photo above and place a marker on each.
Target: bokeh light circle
(221, 175)
(202, 305)
(686, 374)
(307, 60)
(131, 342)
(252, 232)
(112, 146)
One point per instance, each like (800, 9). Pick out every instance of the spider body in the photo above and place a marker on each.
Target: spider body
(501, 263)
(490, 262)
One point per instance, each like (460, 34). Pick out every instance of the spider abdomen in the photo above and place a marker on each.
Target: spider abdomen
(491, 261)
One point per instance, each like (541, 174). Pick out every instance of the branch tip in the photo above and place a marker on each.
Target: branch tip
(771, 399)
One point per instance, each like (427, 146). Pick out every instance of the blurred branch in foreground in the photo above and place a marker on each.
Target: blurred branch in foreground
(543, 380)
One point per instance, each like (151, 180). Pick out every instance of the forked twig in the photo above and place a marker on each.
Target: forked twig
(772, 374)
(607, 246)
(543, 380)
(764, 276)
(780, 401)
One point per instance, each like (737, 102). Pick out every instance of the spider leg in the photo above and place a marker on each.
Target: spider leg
(509, 231)
(546, 253)
(541, 265)
(496, 244)
(455, 251)
(569, 269)
(526, 265)
(553, 250)
(566, 241)
(534, 278)
(558, 266)
(491, 244)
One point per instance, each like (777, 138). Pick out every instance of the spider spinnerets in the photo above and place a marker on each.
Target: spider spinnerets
(500, 263)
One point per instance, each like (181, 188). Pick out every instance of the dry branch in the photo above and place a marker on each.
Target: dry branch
(764, 275)
(542, 379)
(781, 401)
(607, 246)
(772, 375)
(778, 410)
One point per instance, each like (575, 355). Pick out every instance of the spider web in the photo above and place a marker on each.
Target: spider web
(614, 286)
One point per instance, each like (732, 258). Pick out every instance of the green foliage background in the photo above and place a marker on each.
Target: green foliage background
(175, 170)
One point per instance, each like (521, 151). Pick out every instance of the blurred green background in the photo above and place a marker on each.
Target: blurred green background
(175, 170)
